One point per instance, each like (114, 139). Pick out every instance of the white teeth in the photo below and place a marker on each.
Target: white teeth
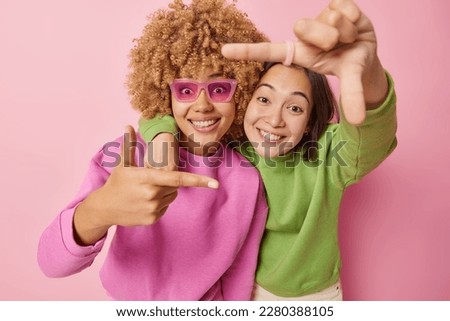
(269, 136)
(203, 123)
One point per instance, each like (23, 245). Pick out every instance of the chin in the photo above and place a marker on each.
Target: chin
(262, 152)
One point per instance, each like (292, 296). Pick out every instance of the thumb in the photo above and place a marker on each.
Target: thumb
(128, 152)
(352, 98)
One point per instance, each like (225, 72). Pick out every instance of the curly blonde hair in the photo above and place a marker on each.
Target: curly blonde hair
(182, 41)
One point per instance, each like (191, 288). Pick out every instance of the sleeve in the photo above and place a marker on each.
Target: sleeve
(149, 128)
(360, 149)
(238, 281)
(58, 253)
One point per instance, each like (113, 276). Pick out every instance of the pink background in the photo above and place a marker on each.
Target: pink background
(62, 95)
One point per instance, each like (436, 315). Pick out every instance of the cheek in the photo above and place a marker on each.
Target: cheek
(297, 130)
(250, 120)
(231, 111)
(178, 110)
(250, 115)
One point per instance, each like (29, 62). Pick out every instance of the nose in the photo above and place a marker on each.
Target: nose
(275, 118)
(202, 104)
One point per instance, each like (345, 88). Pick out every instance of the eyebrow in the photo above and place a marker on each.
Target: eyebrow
(216, 75)
(295, 93)
(219, 74)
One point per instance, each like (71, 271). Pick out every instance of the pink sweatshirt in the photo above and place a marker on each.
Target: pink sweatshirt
(205, 246)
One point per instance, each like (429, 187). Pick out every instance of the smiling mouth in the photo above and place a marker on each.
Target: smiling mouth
(270, 136)
(202, 124)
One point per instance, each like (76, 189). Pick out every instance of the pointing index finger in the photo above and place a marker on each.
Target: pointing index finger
(180, 179)
(263, 51)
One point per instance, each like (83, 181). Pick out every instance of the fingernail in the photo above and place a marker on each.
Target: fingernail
(213, 184)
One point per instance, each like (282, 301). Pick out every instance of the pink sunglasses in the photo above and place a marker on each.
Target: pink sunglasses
(218, 91)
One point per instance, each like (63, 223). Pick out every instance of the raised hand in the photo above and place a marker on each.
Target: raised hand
(131, 196)
(341, 41)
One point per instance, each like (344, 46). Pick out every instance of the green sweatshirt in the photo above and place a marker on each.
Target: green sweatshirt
(299, 253)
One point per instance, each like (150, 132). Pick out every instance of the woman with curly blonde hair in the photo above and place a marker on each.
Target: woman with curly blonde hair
(203, 246)
(182, 43)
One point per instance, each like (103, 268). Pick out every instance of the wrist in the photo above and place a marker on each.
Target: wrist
(375, 84)
(89, 223)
